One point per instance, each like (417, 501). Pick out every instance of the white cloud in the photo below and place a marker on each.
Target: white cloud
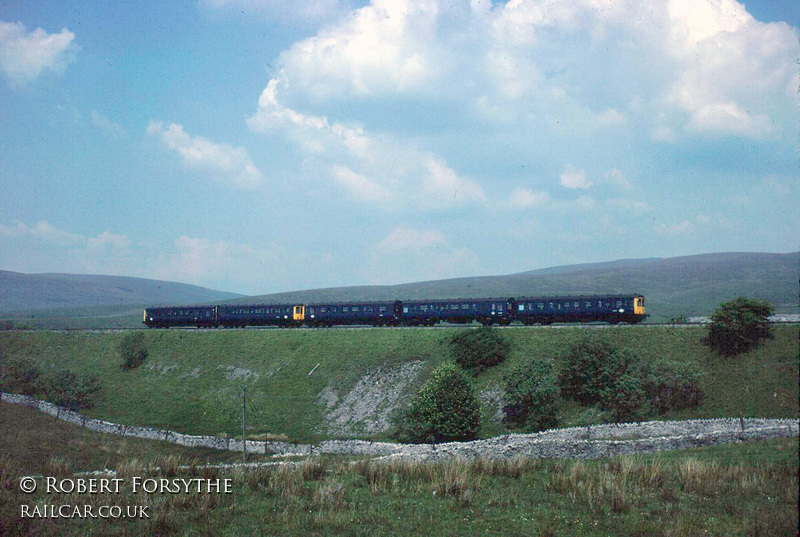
(676, 230)
(207, 262)
(572, 178)
(111, 243)
(104, 124)
(25, 55)
(359, 186)
(617, 179)
(549, 76)
(382, 47)
(407, 254)
(729, 118)
(371, 169)
(523, 198)
(44, 247)
(229, 165)
(42, 231)
(404, 238)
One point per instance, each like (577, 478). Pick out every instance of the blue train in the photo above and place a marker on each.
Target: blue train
(526, 310)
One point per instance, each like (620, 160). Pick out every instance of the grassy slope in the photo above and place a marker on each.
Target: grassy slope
(40, 439)
(692, 285)
(745, 489)
(191, 381)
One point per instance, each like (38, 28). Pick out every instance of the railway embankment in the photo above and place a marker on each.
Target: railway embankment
(596, 441)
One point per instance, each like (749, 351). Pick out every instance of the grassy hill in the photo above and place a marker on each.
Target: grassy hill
(192, 381)
(732, 489)
(59, 291)
(690, 286)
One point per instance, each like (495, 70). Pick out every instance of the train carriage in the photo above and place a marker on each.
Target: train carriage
(464, 310)
(582, 308)
(255, 315)
(373, 313)
(164, 317)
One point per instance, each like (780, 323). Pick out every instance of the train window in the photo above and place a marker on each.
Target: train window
(588, 304)
(405, 309)
(521, 307)
(577, 304)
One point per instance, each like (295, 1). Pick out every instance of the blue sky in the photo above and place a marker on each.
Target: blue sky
(259, 146)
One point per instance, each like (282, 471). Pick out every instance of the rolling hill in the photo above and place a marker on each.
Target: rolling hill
(691, 285)
(46, 291)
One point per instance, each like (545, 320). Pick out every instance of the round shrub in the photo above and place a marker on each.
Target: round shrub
(479, 349)
(531, 397)
(444, 410)
(132, 350)
(738, 325)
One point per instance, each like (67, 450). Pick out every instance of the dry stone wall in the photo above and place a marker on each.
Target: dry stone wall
(598, 441)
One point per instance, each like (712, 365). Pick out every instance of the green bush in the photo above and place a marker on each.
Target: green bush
(69, 390)
(626, 398)
(444, 410)
(479, 349)
(18, 375)
(738, 325)
(132, 350)
(595, 372)
(673, 386)
(531, 397)
(589, 367)
(64, 388)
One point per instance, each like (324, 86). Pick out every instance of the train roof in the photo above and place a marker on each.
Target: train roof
(595, 296)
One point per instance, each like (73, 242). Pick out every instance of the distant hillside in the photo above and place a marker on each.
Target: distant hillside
(48, 291)
(692, 285)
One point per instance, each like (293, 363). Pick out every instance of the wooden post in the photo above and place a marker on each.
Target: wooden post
(244, 424)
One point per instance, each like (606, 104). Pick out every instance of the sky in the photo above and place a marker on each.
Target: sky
(259, 146)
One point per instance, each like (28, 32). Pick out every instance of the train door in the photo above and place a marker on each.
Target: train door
(299, 313)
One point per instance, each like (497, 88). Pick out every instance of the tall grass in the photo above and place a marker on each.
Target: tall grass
(726, 490)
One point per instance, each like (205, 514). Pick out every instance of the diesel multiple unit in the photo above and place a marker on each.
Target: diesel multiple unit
(526, 310)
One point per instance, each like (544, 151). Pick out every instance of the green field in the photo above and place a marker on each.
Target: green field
(736, 489)
(192, 381)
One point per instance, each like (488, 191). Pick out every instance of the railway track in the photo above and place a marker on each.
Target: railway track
(442, 326)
